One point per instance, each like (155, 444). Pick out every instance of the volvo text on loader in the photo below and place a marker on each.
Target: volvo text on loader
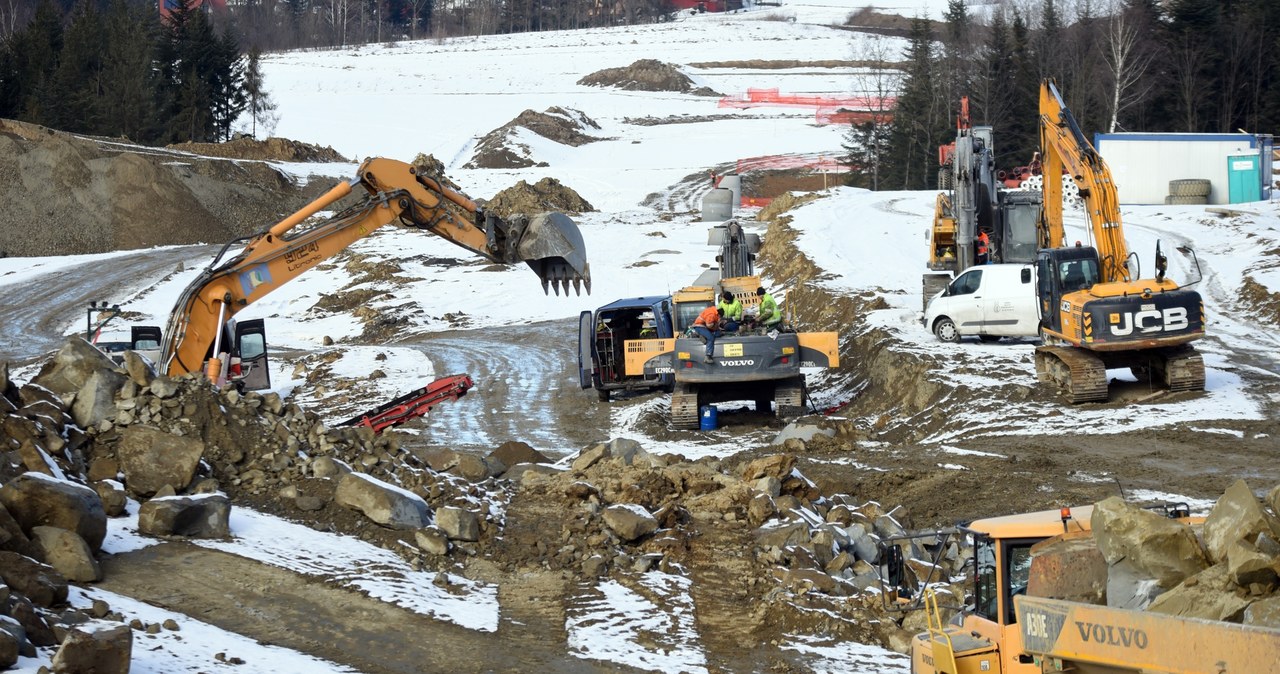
(762, 366)
(1096, 312)
(194, 338)
(1013, 627)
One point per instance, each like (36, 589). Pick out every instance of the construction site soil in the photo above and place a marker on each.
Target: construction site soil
(873, 452)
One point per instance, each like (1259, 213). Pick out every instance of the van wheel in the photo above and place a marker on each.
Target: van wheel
(603, 395)
(945, 330)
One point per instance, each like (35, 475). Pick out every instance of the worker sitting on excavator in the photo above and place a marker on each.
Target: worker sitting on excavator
(707, 326)
(732, 307)
(769, 317)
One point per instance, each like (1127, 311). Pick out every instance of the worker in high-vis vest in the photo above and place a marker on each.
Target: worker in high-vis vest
(769, 316)
(732, 311)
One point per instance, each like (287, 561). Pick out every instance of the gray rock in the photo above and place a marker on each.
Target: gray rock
(38, 582)
(1245, 565)
(588, 457)
(629, 521)
(458, 524)
(1263, 613)
(1130, 588)
(95, 402)
(432, 540)
(113, 497)
(150, 458)
(782, 535)
(71, 367)
(1207, 595)
(141, 371)
(381, 502)
(1156, 546)
(35, 499)
(10, 643)
(202, 516)
(68, 554)
(97, 646)
(1235, 517)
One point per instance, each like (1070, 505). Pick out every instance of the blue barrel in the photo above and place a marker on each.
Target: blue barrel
(708, 422)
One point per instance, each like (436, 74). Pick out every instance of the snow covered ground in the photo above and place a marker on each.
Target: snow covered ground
(440, 97)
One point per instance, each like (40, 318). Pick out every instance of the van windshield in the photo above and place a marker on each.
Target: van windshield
(967, 283)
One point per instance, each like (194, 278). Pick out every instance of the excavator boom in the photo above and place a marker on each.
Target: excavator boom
(549, 243)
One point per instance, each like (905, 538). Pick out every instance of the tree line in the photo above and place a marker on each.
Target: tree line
(1200, 66)
(123, 71)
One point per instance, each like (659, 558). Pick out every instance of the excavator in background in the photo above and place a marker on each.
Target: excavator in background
(195, 337)
(1095, 312)
(1019, 624)
(760, 366)
(970, 202)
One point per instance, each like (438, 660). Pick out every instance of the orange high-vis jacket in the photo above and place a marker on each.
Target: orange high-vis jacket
(709, 318)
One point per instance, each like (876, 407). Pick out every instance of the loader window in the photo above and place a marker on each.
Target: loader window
(986, 590)
(1019, 573)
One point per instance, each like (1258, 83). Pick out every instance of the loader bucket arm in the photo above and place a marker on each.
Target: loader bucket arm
(550, 244)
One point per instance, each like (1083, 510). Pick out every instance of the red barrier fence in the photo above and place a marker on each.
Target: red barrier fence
(827, 109)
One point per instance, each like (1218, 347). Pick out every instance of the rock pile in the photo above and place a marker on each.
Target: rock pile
(547, 194)
(268, 149)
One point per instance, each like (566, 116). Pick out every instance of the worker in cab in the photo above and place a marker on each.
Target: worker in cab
(732, 311)
(707, 326)
(984, 247)
(770, 316)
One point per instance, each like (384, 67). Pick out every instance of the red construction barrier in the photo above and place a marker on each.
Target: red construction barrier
(827, 109)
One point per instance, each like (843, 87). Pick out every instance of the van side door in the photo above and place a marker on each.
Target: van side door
(966, 303)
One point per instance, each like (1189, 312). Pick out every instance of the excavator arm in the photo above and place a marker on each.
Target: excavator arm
(549, 243)
(1065, 147)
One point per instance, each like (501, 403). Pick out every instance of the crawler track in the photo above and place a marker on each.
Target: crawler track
(684, 407)
(1081, 374)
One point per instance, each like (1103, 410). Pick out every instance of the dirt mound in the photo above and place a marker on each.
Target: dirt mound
(66, 194)
(270, 149)
(502, 147)
(646, 75)
(545, 195)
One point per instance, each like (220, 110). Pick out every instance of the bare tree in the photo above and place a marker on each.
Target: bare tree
(1126, 65)
(1187, 56)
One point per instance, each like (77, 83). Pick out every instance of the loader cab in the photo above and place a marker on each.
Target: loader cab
(1060, 272)
(603, 335)
(245, 361)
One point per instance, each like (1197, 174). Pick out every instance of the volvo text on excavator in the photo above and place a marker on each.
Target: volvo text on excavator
(549, 243)
(1096, 312)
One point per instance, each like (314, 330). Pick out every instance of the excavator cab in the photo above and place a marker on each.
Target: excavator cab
(1060, 272)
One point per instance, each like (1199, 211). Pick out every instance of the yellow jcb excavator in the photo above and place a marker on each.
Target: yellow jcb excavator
(549, 243)
(1095, 313)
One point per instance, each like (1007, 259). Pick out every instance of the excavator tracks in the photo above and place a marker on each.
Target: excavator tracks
(788, 398)
(1183, 369)
(1078, 372)
(684, 407)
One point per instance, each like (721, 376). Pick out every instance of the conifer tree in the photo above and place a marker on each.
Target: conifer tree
(78, 78)
(919, 122)
(260, 106)
(129, 76)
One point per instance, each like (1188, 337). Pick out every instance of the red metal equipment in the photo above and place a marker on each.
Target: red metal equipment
(414, 404)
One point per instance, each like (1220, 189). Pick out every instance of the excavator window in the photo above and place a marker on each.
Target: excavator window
(1077, 275)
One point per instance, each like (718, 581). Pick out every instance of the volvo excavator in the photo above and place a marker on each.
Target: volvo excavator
(1095, 311)
(397, 192)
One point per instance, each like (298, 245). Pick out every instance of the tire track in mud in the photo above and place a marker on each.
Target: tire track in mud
(526, 388)
(38, 310)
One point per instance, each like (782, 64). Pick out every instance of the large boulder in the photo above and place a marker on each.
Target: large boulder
(35, 499)
(151, 458)
(71, 367)
(1070, 568)
(96, 646)
(383, 503)
(1209, 594)
(96, 400)
(629, 521)
(201, 516)
(1155, 546)
(38, 582)
(68, 554)
(458, 524)
(1237, 516)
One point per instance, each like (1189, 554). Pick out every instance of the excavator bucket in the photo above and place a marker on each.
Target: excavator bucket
(552, 246)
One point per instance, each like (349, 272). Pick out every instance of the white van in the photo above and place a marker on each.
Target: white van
(990, 301)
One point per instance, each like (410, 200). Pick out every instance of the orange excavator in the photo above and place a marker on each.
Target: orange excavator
(1097, 311)
(550, 243)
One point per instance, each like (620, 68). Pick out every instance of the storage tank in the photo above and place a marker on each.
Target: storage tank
(717, 206)
(733, 182)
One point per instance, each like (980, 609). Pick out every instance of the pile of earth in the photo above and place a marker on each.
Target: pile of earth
(502, 147)
(66, 194)
(545, 195)
(270, 149)
(646, 75)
